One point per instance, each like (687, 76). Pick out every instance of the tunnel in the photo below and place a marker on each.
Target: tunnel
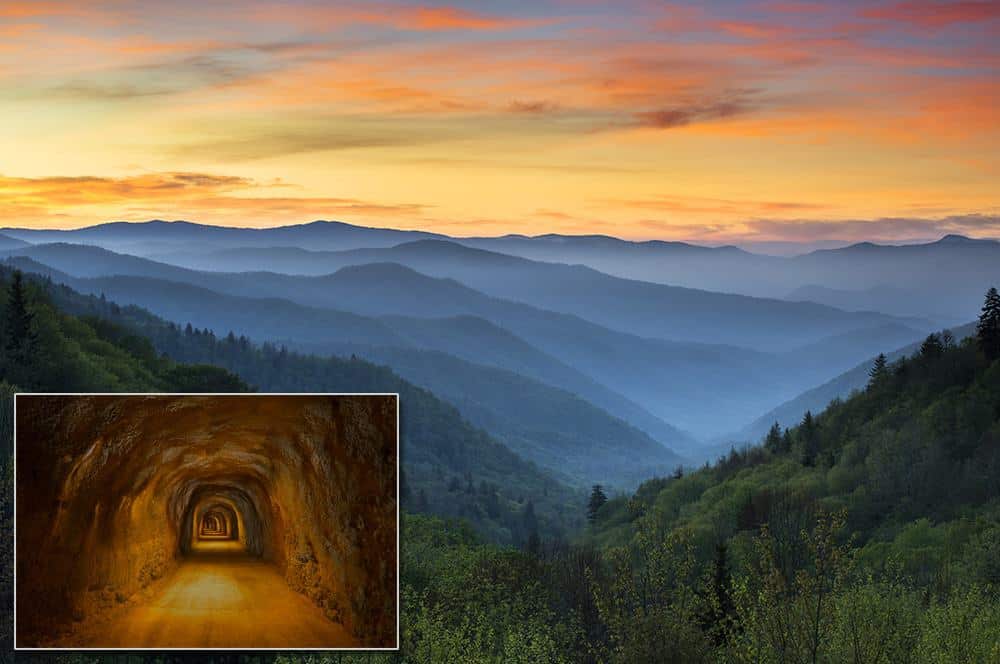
(129, 507)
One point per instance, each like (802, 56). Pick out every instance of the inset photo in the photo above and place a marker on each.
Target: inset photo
(252, 521)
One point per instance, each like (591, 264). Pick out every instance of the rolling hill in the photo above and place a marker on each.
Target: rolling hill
(617, 456)
(940, 279)
(7, 242)
(635, 307)
(708, 389)
(158, 235)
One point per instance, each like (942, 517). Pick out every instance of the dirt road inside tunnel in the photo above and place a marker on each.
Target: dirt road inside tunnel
(218, 597)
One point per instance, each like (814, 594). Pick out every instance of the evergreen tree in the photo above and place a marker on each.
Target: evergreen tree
(786, 441)
(932, 347)
(772, 441)
(597, 500)
(19, 337)
(879, 370)
(988, 328)
(18, 317)
(809, 438)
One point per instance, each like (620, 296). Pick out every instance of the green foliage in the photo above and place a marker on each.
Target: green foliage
(965, 627)
(878, 371)
(20, 337)
(473, 602)
(988, 326)
(65, 353)
(910, 471)
(596, 502)
(648, 602)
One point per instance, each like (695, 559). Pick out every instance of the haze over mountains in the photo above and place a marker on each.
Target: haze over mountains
(632, 337)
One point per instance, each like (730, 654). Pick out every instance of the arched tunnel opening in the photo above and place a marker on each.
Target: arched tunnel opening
(139, 518)
(212, 521)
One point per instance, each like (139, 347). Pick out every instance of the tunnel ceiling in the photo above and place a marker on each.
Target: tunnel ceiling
(110, 488)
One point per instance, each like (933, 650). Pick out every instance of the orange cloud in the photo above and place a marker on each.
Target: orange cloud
(211, 197)
(430, 18)
(87, 190)
(450, 18)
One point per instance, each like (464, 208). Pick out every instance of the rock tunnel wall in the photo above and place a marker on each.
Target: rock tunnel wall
(108, 488)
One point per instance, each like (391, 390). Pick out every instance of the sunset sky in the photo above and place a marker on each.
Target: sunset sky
(711, 122)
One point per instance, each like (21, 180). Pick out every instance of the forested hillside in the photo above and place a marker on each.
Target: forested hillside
(47, 350)
(827, 543)
(870, 532)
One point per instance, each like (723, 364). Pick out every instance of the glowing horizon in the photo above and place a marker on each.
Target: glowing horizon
(711, 123)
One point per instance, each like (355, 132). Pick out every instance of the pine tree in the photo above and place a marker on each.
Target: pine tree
(772, 442)
(18, 333)
(932, 347)
(879, 370)
(988, 328)
(19, 337)
(597, 500)
(810, 439)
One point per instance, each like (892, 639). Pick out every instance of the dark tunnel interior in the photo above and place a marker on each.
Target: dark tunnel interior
(118, 492)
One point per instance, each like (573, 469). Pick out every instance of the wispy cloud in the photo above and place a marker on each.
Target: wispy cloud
(684, 114)
(214, 197)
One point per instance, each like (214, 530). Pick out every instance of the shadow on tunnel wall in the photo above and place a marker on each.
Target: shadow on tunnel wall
(142, 520)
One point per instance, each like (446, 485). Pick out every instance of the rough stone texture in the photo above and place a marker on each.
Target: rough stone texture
(109, 489)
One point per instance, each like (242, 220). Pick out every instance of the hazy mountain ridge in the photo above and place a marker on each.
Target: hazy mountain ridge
(636, 307)
(690, 385)
(158, 235)
(561, 432)
(328, 331)
(348, 290)
(7, 242)
(945, 287)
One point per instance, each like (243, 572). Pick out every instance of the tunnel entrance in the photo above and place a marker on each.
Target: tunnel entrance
(222, 519)
(218, 521)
